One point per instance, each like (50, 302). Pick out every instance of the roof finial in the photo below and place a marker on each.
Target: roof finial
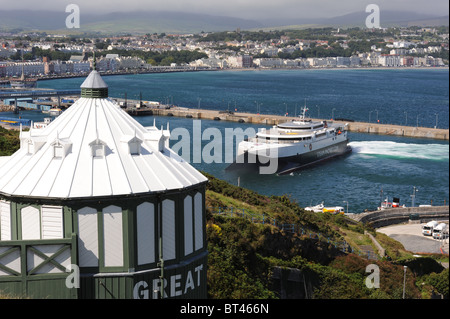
(94, 64)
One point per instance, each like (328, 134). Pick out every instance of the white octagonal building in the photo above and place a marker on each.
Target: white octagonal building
(97, 194)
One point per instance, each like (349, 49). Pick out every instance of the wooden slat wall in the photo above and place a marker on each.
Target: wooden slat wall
(146, 233)
(30, 223)
(198, 220)
(52, 222)
(113, 236)
(168, 229)
(88, 237)
(188, 230)
(5, 220)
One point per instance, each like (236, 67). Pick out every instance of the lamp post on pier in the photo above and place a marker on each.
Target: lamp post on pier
(346, 201)
(413, 196)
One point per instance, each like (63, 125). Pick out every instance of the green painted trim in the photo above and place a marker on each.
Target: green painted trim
(5, 268)
(205, 242)
(101, 243)
(179, 229)
(74, 293)
(133, 235)
(101, 236)
(14, 221)
(28, 284)
(19, 219)
(47, 259)
(126, 239)
(68, 229)
(94, 93)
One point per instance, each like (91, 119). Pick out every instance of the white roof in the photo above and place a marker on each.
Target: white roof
(94, 149)
(94, 81)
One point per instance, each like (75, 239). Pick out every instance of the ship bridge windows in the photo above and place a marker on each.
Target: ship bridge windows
(280, 140)
(286, 139)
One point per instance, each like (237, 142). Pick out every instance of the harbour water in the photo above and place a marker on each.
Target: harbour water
(393, 96)
(379, 166)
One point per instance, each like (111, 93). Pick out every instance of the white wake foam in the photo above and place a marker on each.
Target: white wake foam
(437, 152)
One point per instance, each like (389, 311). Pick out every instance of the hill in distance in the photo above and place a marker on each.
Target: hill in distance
(358, 19)
(123, 22)
(179, 22)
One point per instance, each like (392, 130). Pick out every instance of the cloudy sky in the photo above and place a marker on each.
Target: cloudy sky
(249, 9)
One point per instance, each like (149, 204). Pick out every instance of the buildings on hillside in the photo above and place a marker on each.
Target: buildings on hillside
(398, 51)
(114, 63)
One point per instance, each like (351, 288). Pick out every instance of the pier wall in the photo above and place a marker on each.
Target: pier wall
(267, 119)
(270, 119)
(398, 130)
(393, 216)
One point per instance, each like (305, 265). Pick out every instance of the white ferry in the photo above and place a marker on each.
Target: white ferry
(295, 145)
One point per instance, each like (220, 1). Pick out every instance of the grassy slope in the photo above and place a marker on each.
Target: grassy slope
(9, 141)
(243, 254)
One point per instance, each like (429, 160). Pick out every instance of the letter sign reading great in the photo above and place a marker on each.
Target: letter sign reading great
(174, 286)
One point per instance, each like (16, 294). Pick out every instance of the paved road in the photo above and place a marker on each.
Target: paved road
(410, 235)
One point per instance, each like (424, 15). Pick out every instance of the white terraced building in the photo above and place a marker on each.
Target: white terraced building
(98, 192)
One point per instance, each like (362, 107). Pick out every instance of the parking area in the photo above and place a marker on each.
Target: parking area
(410, 235)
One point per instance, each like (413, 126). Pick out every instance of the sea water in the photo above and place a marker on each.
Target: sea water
(392, 96)
(379, 166)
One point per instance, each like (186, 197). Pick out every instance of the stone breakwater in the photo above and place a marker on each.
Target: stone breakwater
(359, 127)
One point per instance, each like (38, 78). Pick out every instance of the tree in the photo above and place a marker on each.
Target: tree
(151, 61)
(167, 61)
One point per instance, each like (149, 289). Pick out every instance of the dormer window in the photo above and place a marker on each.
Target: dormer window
(132, 145)
(61, 147)
(135, 148)
(98, 148)
(34, 145)
(58, 151)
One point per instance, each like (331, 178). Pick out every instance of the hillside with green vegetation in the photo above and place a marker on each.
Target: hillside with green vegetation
(244, 254)
(254, 248)
(9, 141)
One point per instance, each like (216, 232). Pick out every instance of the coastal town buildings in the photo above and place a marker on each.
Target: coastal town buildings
(121, 53)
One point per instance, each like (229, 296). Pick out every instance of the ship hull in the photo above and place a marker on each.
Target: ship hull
(291, 163)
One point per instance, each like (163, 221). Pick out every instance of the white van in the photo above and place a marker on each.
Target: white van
(427, 229)
(440, 231)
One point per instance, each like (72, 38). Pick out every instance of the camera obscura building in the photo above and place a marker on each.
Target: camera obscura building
(95, 205)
